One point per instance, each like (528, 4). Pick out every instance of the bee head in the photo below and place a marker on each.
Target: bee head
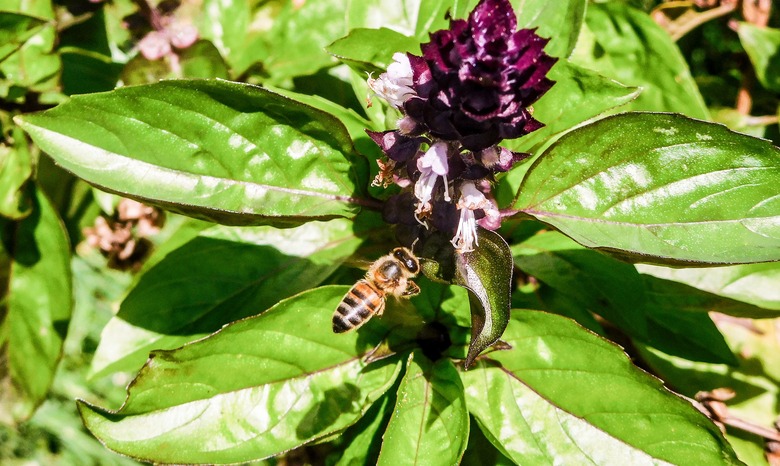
(408, 259)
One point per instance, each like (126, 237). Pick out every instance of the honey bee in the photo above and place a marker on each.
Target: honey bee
(389, 275)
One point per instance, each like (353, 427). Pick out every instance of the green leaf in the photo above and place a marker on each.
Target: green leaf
(567, 391)
(364, 439)
(202, 60)
(15, 30)
(625, 44)
(530, 429)
(660, 194)
(84, 71)
(652, 310)
(39, 305)
(15, 172)
(371, 50)
(754, 381)
(292, 44)
(762, 45)
(412, 18)
(560, 21)
(256, 388)
(430, 424)
(601, 284)
(226, 25)
(223, 275)
(750, 283)
(669, 294)
(33, 66)
(228, 152)
(486, 272)
(578, 95)
(480, 452)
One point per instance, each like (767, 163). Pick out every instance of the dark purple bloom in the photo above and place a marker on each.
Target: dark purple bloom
(471, 88)
(476, 80)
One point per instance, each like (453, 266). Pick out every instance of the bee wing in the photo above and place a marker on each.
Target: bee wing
(358, 263)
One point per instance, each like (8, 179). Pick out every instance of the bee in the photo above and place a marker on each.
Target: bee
(388, 275)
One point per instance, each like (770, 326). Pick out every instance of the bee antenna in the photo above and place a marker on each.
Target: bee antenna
(414, 243)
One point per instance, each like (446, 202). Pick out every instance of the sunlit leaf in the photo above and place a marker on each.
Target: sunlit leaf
(752, 283)
(33, 65)
(430, 424)
(754, 381)
(257, 388)
(15, 30)
(566, 390)
(223, 275)
(625, 44)
(653, 187)
(371, 50)
(228, 152)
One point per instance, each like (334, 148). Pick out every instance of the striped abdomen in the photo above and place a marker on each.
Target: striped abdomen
(360, 303)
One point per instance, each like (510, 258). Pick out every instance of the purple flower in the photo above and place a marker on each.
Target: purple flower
(471, 88)
(476, 80)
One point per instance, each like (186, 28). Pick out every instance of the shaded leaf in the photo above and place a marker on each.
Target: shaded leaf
(39, 304)
(480, 452)
(15, 172)
(430, 424)
(256, 388)
(364, 439)
(652, 310)
(659, 195)
(487, 273)
(584, 387)
(623, 43)
(599, 283)
(84, 71)
(227, 152)
(222, 275)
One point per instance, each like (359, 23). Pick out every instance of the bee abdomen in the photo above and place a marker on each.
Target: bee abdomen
(360, 303)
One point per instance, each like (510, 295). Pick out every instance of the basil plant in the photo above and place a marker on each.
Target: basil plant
(497, 190)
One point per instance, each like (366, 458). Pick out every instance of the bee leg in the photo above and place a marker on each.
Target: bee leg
(411, 290)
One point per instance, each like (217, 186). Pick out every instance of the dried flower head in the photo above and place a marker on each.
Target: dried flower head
(122, 238)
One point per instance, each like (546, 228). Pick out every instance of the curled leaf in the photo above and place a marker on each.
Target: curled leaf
(486, 272)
